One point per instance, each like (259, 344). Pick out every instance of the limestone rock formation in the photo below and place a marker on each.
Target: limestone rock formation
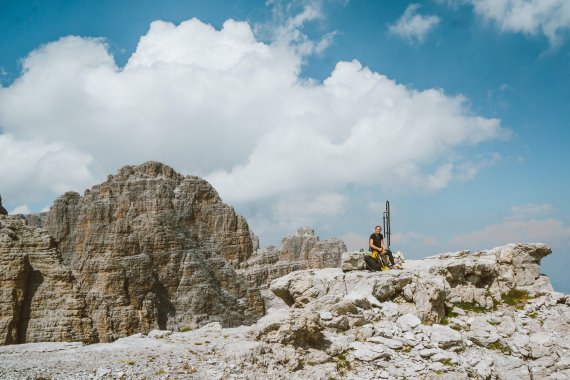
(39, 300)
(2, 209)
(147, 249)
(326, 324)
(302, 250)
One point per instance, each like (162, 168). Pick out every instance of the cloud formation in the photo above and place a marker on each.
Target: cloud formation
(525, 223)
(550, 231)
(550, 18)
(412, 25)
(223, 105)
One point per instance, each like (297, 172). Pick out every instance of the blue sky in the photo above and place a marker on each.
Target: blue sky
(304, 113)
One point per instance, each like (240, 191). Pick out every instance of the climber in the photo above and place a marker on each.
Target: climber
(376, 246)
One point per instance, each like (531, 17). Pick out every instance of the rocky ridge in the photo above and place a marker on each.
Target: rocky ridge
(147, 249)
(483, 315)
(302, 250)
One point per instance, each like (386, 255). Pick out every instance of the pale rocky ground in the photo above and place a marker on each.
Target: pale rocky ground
(352, 324)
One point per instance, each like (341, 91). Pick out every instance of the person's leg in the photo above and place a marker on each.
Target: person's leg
(390, 256)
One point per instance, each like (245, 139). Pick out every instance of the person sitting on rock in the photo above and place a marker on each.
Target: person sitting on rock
(377, 247)
(2, 209)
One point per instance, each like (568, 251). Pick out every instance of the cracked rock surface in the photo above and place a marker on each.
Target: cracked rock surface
(326, 323)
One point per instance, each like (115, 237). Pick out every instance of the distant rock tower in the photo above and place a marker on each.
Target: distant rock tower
(2, 209)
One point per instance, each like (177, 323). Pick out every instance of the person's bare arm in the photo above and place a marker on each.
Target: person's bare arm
(371, 243)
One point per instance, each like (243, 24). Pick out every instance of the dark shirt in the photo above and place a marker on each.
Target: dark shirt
(376, 240)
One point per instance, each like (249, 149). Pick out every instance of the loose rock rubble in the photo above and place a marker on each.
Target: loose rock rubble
(484, 315)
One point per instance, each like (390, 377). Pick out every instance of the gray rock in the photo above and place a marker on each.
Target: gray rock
(408, 322)
(445, 337)
(368, 351)
(2, 209)
(511, 368)
(541, 343)
(483, 333)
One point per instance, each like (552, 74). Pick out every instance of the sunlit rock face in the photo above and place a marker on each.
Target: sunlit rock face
(39, 299)
(302, 250)
(150, 248)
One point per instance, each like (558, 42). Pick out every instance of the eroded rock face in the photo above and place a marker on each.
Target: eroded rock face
(430, 285)
(302, 250)
(323, 324)
(39, 300)
(3, 211)
(147, 249)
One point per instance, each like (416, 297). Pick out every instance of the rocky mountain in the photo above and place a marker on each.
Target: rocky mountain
(156, 263)
(481, 315)
(147, 249)
(302, 250)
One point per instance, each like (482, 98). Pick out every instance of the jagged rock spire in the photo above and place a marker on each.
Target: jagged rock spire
(2, 209)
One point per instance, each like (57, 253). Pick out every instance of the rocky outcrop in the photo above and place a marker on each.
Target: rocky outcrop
(429, 285)
(326, 324)
(302, 250)
(39, 300)
(147, 249)
(2, 209)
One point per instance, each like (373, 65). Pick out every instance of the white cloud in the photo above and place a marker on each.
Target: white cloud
(531, 210)
(289, 18)
(550, 18)
(22, 209)
(413, 239)
(550, 231)
(412, 25)
(362, 127)
(524, 224)
(29, 167)
(355, 242)
(222, 104)
(376, 206)
(299, 209)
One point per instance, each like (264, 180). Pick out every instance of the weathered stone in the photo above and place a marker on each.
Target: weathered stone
(39, 299)
(147, 249)
(368, 351)
(2, 209)
(511, 368)
(445, 337)
(408, 322)
(303, 250)
(483, 333)
(392, 343)
(353, 261)
(540, 344)
(300, 330)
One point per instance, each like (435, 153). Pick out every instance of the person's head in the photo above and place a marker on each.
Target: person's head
(377, 229)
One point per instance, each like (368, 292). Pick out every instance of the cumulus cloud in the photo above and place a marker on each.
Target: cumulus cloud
(29, 167)
(412, 25)
(294, 210)
(355, 241)
(525, 223)
(226, 106)
(530, 210)
(550, 18)
(413, 239)
(550, 231)
(288, 21)
(22, 209)
(359, 126)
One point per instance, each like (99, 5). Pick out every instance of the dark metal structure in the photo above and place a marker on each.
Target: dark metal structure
(386, 220)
